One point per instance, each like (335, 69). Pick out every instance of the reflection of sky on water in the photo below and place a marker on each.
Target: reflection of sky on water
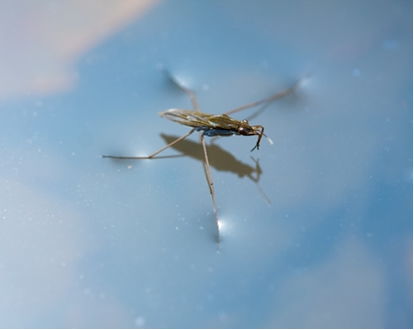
(91, 242)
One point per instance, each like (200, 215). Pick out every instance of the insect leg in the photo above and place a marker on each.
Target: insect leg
(206, 164)
(189, 92)
(209, 178)
(155, 153)
(268, 99)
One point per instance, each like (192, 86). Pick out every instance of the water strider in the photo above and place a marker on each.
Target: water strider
(211, 125)
(214, 125)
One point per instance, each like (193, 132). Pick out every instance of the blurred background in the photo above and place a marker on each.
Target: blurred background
(97, 243)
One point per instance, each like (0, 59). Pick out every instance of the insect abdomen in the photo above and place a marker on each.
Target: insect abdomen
(214, 131)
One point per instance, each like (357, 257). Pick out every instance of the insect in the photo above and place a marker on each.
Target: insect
(214, 125)
(211, 125)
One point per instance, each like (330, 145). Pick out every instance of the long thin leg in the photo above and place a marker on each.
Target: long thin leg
(271, 98)
(189, 92)
(209, 178)
(206, 164)
(195, 105)
(155, 153)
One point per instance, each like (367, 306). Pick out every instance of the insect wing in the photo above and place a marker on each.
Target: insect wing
(223, 122)
(188, 117)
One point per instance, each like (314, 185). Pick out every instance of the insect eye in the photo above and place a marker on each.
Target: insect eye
(244, 131)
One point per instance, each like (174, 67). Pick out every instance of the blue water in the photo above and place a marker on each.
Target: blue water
(91, 242)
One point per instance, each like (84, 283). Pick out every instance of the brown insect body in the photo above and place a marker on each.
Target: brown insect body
(214, 125)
